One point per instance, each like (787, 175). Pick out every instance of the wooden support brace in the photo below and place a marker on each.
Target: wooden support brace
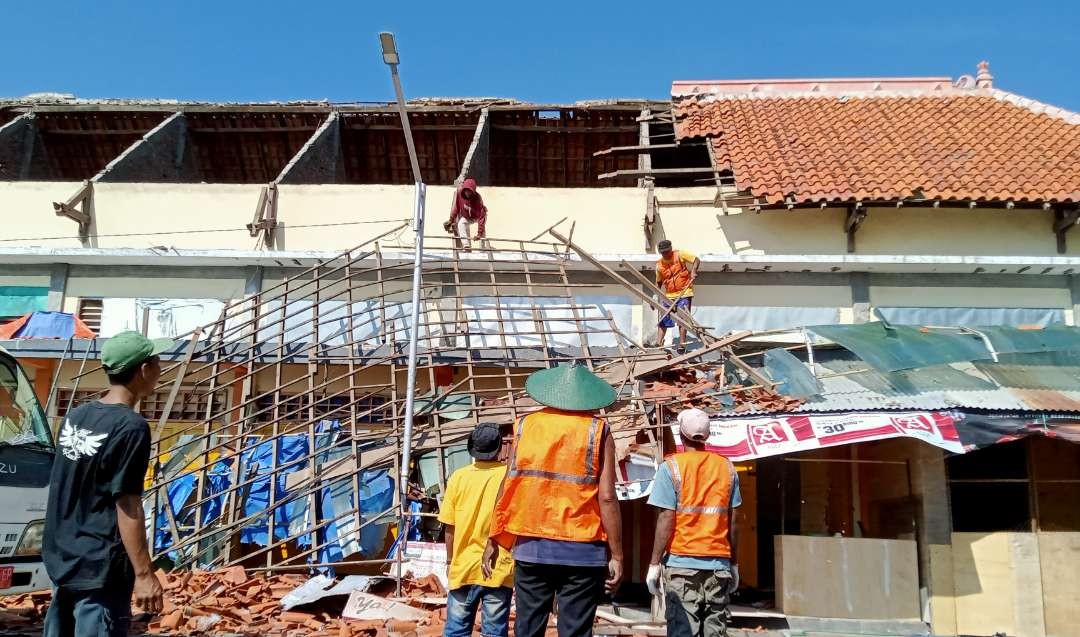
(1063, 221)
(704, 170)
(265, 221)
(71, 209)
(856, 216)
(640, 149)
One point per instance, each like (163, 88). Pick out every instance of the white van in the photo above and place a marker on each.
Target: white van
(26, 455)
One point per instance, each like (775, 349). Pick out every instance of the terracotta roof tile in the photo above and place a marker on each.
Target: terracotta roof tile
(834, 148)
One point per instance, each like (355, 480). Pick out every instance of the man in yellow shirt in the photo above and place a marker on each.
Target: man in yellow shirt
(466, 511)
(676, 271)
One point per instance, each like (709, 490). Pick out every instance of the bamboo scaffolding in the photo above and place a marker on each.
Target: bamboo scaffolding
(328, 345)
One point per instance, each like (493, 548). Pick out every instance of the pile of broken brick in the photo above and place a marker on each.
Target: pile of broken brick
(708, 392)
(233, 602)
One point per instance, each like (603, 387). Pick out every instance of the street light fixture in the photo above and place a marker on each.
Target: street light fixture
(391, 58)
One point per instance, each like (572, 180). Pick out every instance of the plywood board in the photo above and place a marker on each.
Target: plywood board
(1059, 557)
(997, 584)
(851, 578)
(942, 593)
(747, 520)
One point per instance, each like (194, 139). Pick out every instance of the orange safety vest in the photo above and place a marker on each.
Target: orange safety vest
(674, 274)
(703, 484)
(553, 480)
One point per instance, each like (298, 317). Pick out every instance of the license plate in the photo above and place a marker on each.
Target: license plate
(5, 576)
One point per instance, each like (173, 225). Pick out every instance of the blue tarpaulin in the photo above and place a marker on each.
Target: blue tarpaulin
(336, 539)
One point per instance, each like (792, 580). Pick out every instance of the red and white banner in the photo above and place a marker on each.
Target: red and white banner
(748, 438)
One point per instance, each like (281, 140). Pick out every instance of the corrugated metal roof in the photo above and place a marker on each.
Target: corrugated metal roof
(849, 384)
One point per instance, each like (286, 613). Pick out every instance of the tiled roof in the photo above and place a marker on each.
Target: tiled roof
(955, 146)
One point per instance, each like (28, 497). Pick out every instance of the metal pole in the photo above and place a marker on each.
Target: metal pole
(391, 58)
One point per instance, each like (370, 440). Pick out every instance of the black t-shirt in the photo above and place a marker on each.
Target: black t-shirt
(102, 453)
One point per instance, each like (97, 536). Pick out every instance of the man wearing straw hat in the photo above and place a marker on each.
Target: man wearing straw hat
(696, 492)
(557, 509)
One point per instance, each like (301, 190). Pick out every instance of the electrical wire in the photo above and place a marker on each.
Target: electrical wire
(205, 231)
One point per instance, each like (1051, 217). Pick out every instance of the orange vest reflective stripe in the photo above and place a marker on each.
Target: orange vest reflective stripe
(553, 480)
(674, 275)
(703, 484)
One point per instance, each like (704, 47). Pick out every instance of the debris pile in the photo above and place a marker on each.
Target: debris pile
(710, 394)
(23, 612)
(232, 602)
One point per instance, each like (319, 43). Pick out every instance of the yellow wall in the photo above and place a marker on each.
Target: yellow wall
(127, 208)
(978, 231)
(26, 211)
(705, 229)
(609, 220)
(886, 230)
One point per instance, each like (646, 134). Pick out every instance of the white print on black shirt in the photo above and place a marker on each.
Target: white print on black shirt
(76, 442)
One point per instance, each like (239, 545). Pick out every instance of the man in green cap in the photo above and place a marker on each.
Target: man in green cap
(95, 548)
(557, 509)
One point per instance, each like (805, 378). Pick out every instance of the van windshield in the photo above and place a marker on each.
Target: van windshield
(22, 421)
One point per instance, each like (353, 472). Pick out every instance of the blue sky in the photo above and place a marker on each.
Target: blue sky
(275, 50)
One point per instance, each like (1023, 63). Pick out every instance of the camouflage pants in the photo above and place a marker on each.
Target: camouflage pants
(696, 602)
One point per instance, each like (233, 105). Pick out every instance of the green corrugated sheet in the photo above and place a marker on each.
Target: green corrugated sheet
(1053, 338)
(892, 348)
(16, 300)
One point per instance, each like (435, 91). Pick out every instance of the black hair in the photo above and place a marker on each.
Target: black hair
(124, 377)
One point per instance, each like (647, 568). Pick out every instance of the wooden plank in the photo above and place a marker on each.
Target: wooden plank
(1059, 558)
(643, 148)
(988, 581)
(847, 578)
(942, 592)
(657, 171)
(651, 367)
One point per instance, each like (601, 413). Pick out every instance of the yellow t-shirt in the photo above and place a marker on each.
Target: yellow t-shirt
(468, 505)
(687, 292)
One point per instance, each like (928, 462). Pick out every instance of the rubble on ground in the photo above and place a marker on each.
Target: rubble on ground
(233, 602)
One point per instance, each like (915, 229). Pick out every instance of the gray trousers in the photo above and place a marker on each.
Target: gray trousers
(696, 602)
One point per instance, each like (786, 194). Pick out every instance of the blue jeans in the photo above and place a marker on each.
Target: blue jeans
(461, 605)
(96, 613)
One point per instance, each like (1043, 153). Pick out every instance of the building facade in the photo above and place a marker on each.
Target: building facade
(918, 201)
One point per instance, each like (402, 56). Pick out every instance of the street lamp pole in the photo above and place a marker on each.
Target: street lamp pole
(391, 58)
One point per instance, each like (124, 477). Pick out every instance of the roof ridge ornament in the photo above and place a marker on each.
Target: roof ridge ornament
(983, 79)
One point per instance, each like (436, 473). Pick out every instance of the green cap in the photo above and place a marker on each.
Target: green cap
(570, 387)
(127, 349)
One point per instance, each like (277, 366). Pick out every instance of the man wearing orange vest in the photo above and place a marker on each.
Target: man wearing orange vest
(676, 271)
(696, 492)
(557, 509)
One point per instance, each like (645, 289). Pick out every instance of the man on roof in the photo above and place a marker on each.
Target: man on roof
(557, 510)
(694, 550)
(676, 271)
(467, 210)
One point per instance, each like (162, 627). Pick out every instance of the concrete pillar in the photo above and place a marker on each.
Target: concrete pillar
(58, 277)
(860, 296)
(1074, 294)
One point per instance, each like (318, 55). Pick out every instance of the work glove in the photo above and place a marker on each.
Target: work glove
(446, 226)
(733, 582)
(653, 580)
